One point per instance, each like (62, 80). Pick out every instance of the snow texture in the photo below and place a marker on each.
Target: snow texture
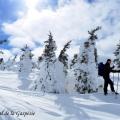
(43, 106)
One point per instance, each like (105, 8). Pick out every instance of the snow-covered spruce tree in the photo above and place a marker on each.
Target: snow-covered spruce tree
(2, 66)
(74, 61)
(64, 66)
(25, 66)
(63, 57)
(50, 77)
(117, 55)
(86, 72)
(70, 79)
(11, 64)
(40, 60)
(81, 70)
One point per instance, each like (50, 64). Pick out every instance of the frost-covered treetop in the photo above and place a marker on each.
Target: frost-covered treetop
(27, 52)
(63, 57)
(92, 34)
(50, 48)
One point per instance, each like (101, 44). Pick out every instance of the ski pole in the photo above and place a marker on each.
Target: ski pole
(117, 83)
(113, 78)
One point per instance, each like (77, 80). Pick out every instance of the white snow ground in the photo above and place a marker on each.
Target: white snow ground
(39, 106)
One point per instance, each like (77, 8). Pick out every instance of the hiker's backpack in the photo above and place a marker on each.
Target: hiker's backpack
(101, 69)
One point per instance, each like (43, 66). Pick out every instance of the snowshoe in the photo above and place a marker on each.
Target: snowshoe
(105, 94)
(116, 93)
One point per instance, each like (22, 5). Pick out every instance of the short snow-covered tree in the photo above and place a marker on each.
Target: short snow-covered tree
(86, 72)
(63, 58)
(71, 78)
(50, 71)
(25, 66)
(48, 80)
(2, 67)
(81, 70)
(11, 64)
(26, 60)
(117, 55)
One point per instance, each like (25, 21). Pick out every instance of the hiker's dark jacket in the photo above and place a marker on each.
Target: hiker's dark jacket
(108, 69)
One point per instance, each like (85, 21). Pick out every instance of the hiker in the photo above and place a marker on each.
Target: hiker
(106, 76)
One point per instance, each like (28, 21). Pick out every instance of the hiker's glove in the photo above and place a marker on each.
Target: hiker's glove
(113, 67)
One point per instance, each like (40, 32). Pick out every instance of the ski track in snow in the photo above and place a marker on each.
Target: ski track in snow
(54, 106)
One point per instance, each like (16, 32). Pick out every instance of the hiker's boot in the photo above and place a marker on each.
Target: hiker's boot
(105, 94)
(116, 93)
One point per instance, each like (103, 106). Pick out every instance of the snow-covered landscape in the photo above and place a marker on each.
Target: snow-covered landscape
(31, 105)
(57, 87)
(59, 59)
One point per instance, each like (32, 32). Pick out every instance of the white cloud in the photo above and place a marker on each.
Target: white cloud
(69, 21)
(22, 41)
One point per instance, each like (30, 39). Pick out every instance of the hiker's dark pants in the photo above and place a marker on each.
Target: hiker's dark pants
(107, 81)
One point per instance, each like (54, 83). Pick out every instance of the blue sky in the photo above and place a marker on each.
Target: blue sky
(9, 9)
(8, 13)
(29, 21)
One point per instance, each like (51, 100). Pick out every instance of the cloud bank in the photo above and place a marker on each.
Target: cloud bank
(67, 20)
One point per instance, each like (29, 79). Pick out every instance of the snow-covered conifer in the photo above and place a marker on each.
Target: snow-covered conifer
(25, 66)
(1, 55)
(86, 72)
(46, 80)
(26, 60)
(63, 66)
(63, 57)
(117, 55)
(52, 70)
(74, 60)
(11, 64)
(2, 66)
(39, 61)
